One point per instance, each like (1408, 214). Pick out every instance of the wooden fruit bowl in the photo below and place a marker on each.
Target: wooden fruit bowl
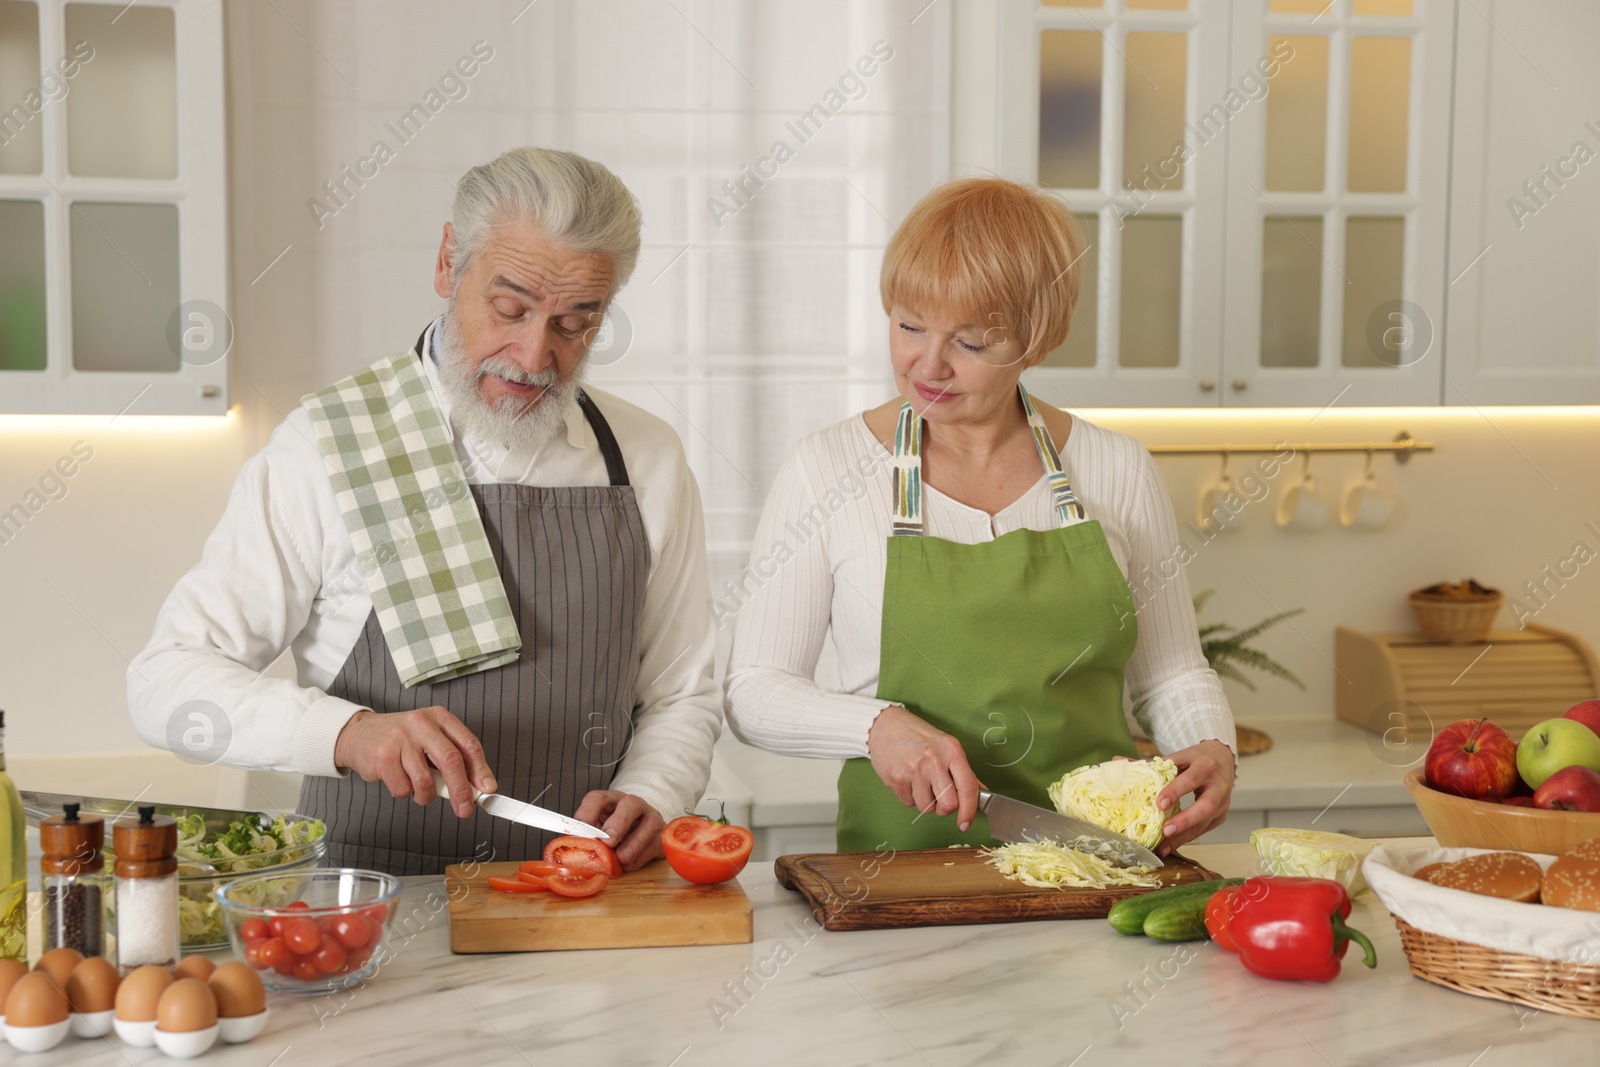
(1457, 822)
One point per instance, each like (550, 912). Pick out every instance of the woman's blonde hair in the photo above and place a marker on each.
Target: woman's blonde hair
(997, 253)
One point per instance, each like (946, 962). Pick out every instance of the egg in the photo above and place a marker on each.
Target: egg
(139, 993)
(10, 971)
(92, 985)
(238, 991)
(185, 1006)
(58, 963)
(195, 967)
(36, 1001)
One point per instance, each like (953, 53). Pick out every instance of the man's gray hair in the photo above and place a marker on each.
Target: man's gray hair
(572, 200)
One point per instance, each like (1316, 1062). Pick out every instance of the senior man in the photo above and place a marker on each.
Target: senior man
(481, 566)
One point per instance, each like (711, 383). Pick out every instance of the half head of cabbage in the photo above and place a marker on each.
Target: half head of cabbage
(1118, 795)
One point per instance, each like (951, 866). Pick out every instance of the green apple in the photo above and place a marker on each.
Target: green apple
(1554, 744)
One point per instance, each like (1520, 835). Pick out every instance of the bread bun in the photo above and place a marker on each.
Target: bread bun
(1507, 875)
(1573, 880)
(1425, 872)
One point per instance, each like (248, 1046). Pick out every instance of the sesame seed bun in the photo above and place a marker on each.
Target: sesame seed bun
(1507, 875)
(1426, 872)
(1573, 880)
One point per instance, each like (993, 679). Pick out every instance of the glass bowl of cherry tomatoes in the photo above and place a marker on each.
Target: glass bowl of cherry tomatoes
(329, 935)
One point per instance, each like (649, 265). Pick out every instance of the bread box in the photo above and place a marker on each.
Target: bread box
(1517, 678)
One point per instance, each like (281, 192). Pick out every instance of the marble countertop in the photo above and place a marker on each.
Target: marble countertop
(1314, 761)
(1046, 993)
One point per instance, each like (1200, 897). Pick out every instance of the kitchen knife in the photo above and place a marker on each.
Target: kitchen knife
(503, 807)
(1012, 820)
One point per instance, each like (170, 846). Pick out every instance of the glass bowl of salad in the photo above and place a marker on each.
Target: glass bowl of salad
(210, 855)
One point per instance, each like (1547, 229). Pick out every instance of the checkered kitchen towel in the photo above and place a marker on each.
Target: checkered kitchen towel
(416, 530)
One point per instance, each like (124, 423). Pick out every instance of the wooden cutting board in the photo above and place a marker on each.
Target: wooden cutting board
(641, 909)
(943, 887)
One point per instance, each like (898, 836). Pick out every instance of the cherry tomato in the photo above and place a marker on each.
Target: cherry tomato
(706, 852)
(583, 854)
(353, 931)
(357, 958)
(329, 957)
(377, 915)
(275, 925)
(252, 954)
(302, 936)
(571, 883)
(306, 969)
(254, 930)
(298, 905)
(273, 952)
(513, 885)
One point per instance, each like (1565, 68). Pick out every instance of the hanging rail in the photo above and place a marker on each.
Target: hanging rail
(1402, 446)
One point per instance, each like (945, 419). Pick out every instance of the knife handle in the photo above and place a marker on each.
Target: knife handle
(442, 790)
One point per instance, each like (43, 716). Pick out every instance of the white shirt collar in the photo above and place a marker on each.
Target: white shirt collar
(576, 424)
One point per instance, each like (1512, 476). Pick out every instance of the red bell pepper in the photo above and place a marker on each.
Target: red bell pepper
(1219, 912)
(1293, 928)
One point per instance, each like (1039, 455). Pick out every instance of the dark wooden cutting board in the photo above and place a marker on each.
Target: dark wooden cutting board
(943, 887)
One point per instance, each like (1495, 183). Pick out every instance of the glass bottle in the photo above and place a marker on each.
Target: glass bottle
(13, 865)
(72, 877)
(147, 890)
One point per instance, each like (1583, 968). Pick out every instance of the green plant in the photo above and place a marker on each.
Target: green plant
(1229, 653)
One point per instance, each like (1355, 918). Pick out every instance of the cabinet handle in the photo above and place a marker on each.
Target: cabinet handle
(1208, 385)
(1241, 384)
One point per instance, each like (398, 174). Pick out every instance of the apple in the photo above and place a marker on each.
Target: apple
(1554, 744)
(1586, 712)
(1575, 788)
(1521, 802)
(1472, 758)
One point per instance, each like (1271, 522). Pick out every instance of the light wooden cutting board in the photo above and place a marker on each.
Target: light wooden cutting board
(641, 909)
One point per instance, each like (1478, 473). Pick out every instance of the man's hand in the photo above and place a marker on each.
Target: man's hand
(926, 767)
(633, 826)
(402, 748)
(1206, 770)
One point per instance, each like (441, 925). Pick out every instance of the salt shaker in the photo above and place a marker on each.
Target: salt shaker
(72, 875)
(147, 890)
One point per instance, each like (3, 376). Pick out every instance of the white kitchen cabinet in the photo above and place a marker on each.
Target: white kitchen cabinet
(1345, 229)
(1523, 325)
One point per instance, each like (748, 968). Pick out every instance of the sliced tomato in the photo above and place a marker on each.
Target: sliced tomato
(512, 885)
(541, 868)
(706, 852)
(569, 883)
(583, 854)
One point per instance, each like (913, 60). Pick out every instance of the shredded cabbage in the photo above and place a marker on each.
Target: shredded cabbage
(1313, 854)
(1047, 865)
(1118, 795)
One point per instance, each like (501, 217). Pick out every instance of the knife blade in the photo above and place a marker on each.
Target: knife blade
(1013, 820)
(520, 811)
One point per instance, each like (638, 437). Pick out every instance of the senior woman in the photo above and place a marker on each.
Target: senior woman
(975, 580)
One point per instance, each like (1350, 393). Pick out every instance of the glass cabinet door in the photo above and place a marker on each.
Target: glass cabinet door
(1337, 205)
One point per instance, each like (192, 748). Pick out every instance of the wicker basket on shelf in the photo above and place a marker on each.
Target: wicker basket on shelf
(1548, 985)
(1458, 613)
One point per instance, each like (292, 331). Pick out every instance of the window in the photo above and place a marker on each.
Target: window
(113, 279)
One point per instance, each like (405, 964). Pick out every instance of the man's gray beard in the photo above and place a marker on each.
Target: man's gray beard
(510, 421)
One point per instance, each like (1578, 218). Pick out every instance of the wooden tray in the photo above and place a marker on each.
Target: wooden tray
(943, 887)
(645, 908)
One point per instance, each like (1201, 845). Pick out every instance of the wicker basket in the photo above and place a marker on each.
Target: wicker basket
(1456, 620)
(1548, 985)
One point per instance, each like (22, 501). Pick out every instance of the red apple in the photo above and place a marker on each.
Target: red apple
(1575, 788)
(1586, 712)
(1472, 758)
(1521, 802)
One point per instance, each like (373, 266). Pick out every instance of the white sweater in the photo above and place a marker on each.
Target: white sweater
(818, 561)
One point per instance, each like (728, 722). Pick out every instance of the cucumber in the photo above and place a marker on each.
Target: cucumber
(1128, 916)
(1183, 920)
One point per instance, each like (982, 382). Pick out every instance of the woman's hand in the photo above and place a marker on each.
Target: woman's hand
(925, 767)
(1206, 770)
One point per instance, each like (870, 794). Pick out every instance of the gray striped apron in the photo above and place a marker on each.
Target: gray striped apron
(554, 724)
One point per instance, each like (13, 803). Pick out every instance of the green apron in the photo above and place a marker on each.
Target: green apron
(1017, 647)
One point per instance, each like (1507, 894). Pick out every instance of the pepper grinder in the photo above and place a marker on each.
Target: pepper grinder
(72, 875)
